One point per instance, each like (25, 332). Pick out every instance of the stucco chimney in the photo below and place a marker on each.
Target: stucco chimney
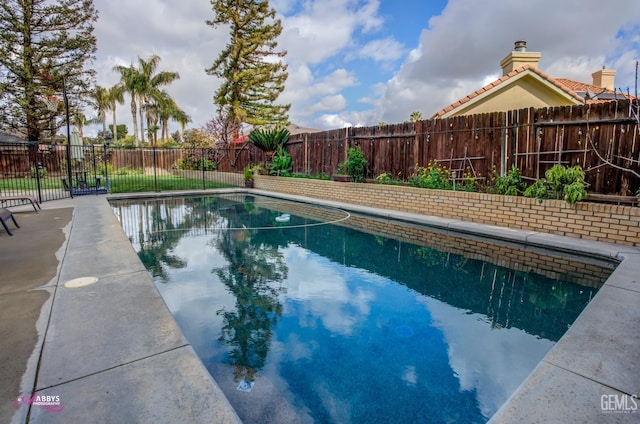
(604, 78)
(519, 57)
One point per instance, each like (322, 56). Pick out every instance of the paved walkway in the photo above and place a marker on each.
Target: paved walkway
(111, 352)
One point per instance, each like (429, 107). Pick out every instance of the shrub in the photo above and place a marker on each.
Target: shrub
(42, 171)
(126, 171)
(197, 159)
(510, 184)
(109, 170)
(281, 164)
(268, 140)
(468, 182)
(355, 165)
(248, 173)
(560, 183)
(386, 178)
(433, 176)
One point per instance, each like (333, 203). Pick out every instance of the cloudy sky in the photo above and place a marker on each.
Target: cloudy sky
(360, 62)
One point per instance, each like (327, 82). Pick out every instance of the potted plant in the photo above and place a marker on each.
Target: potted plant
(248, 176)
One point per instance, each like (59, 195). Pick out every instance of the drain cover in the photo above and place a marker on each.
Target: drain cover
(245, 386)
(77, 283)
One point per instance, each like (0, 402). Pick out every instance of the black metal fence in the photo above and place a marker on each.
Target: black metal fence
(50, 172)
(32, 169)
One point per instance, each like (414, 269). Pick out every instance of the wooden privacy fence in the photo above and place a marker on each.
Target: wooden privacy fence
(602, 138)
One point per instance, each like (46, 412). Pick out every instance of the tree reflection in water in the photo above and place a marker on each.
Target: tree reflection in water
(253, 275)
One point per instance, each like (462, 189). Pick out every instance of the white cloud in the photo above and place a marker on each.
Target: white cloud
(382, 50)
(310, 94)
(491, 362)
(338, 307)
(335, 102)
(324, 28)
(336, 46)
(576, 39)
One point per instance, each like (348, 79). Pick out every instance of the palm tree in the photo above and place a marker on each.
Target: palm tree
(128, 82)
(80, 120)
(116, 95)
(148, 83)
(167, 109)
(101, 103)
(181, 118)
(415, 116)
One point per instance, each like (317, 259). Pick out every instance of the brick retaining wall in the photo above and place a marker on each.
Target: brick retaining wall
(591, 221)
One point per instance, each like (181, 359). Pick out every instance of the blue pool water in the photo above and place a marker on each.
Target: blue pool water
(309, 319)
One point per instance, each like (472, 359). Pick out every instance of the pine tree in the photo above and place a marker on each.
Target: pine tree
(250, 68)
(43, 44)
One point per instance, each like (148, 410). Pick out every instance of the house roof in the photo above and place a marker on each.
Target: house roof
(6, 137)
(510, 78)
(297, 129)
(592, 93)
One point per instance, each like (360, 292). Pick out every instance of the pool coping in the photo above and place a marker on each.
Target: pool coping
(596, 361)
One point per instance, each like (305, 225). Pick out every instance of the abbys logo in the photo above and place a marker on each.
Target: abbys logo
(625, 404)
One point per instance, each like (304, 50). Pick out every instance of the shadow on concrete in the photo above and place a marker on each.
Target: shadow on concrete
(28, 263)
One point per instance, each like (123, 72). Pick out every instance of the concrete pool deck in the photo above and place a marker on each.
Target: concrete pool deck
(112, 352)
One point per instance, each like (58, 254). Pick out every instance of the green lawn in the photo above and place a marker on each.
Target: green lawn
(136, 183)
(25, 184)
(119, 183)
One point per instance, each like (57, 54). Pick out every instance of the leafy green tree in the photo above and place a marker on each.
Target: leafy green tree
(252, 76)
(43, 43)
(120, 132)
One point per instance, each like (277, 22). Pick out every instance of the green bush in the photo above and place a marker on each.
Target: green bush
(269, 140)
(510, 184)
(109, 170)
(560, 183)
(248, 173)
(468, 182)
(433, 176)
(197, 159)
(386, 178)
(281, 164)
(126, 171)
(39, 171)
(355, 165)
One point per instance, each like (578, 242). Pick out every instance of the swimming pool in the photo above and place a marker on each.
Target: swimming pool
(360, 320)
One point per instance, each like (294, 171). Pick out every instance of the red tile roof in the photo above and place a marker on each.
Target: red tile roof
(581, 87)
(568, 86)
